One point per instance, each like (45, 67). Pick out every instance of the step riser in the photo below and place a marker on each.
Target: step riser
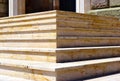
(85, 72)
(82, 20)
(28, 74)
(86, 16)
(86, 54)
(31, 56)
(61, 42)
(61, 56)
(62, 31)
(34, 22)
(30, 43)
(37, 33)
(28, 28)
(79, 42)
(72, 24)
(51, 34)
(29, 35)
(27, 19)
(28, 16)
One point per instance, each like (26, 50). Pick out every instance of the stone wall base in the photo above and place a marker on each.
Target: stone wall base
(114, 12)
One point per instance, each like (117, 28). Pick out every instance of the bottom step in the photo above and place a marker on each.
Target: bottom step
(8, 78)
(114, 77)
(73, 71)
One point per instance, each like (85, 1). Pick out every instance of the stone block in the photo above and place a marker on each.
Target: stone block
(114, 3)
(96, 4)
(45, 71)
(111, 12)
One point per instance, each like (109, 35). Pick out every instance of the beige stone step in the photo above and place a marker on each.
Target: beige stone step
(42, 71)
(51, 13)
(8, 78)
(86, 16)
(83, 24)
(86, 23)
(39, 32)
(60, 18)
(113, 77)
(87, 32)
(59, 55)
(61, 42)
(25, 17)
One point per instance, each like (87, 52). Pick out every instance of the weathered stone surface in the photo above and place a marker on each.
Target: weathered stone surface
(114, 3)
(59, 55)
(44, 71)
(113, 77)
(96, 4)
(111, 12)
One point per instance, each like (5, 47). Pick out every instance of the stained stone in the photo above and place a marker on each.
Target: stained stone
(113, 12)
(96, 4)
(115, 3)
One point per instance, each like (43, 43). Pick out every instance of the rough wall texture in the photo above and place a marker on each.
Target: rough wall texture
(114, 12)
(115, 3)
(109, 8)
(96, 4)
(3, 8)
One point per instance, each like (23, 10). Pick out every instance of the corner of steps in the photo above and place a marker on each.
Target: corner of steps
(60, 71)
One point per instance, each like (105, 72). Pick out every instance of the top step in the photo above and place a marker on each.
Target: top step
(61, 19)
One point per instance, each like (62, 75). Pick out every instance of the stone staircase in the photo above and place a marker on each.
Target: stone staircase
(59, 46)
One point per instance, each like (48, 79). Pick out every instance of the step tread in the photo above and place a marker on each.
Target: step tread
(114, 77)
(60, 37)
(53, 66)
(9, 78)
(54, 49)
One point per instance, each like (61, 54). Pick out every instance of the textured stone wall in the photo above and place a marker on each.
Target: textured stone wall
(3, 8)
(96, 4)
(105, 8)
(99, 4)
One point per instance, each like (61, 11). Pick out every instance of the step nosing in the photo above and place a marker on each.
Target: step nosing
(54, 66)
(55, 49)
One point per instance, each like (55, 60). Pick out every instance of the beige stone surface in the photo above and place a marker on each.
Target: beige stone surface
(109, 12)
(113, 77)
(42, 30)
(59, 55)
(42, 71)
(8, 78)
(36, 46)
(114, 3)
